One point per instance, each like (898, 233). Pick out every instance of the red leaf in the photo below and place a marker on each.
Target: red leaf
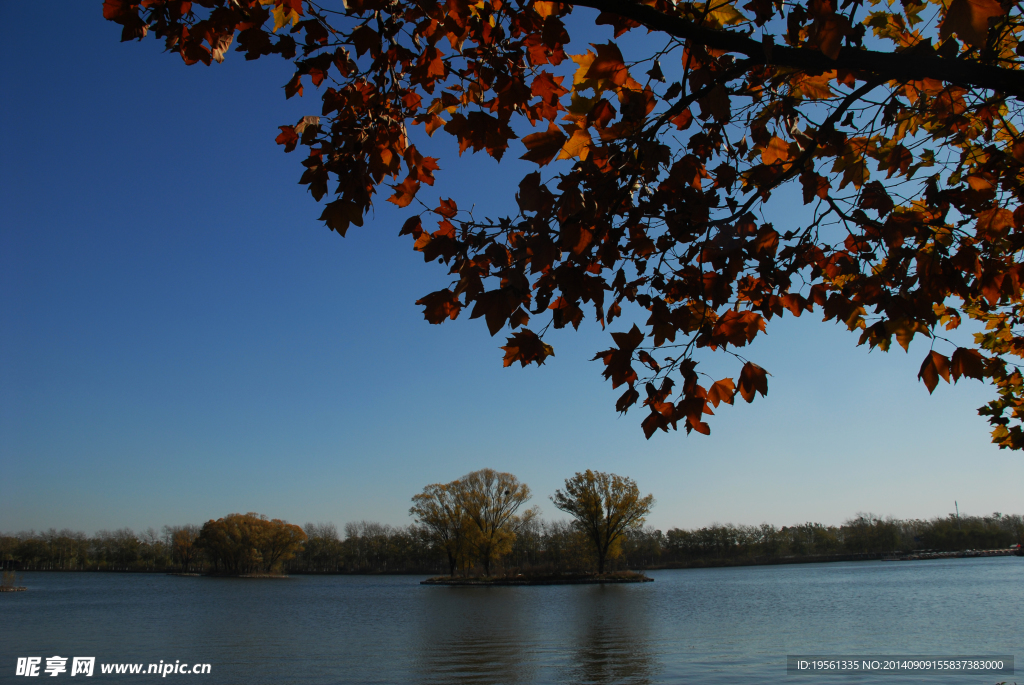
(447, 209)
(753, 379)
(287, 137)
(405, 192)
(968, 363)
(441, 305)
(722, 391)
(934, 365)
(542, 147)
(525, 347)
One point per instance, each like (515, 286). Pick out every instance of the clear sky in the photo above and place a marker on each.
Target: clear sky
(180, 338)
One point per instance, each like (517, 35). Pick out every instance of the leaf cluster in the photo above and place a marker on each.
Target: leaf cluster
(662, 189)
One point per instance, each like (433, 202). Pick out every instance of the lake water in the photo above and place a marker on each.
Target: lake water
(732, 625)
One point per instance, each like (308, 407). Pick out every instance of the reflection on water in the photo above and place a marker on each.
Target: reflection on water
(713, 626)
(611, 638)
(584, 633)
(474, 635)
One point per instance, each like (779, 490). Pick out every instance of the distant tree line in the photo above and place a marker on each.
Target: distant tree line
(243, 543)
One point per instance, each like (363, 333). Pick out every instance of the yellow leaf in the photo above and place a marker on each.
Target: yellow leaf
(775, 151)
(725, 13)
(283, 15)
(812, 87)
(577, 146)
(580, 81)
(545, 8)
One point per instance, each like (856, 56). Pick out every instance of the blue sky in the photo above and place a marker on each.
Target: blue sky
(180, 338)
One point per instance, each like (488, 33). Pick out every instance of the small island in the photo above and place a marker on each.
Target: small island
(475, 520)
(7, 583)
(551, 579)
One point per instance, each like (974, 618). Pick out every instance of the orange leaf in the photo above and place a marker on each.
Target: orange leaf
(934, 365)
(648, 360)
(831, 32)
(698, 426)
(405, 192)
(577, 146)
(541, 148)
(440, 305)
(968, 363)
(776, 150)
(753, 379)
(608, 65)
(992, 223)
(722, 391)
(524, 347)
(969, 19)
(448, 209)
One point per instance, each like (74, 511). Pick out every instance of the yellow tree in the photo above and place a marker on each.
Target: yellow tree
(605, 506)
(279, 542)
(243, 543)
(183, 545)
(440, 509)
(490, 500)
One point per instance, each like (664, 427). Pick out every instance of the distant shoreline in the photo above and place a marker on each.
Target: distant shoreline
(676, 565)
(830, 558)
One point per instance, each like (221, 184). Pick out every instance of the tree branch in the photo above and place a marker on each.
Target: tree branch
(900, 66)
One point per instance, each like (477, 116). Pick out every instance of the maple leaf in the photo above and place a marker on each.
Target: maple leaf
(441, 305)
(405, 192)
(934, 366)
(966, 362)
(874, 196)
(618, 360)
(525, 347)
(753, 379)
(607, 65)
(722, 391)
(288, 138)
(775, 151)
(969, 19)
(542, 147)
(577, 146)
(340, 214)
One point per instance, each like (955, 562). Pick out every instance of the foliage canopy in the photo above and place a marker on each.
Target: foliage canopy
(605, 507)
(661, 158)
(474, 517)
(248, 543)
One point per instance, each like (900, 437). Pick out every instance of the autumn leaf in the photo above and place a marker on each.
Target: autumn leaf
(934, 366)
(577, 146)
(967, 362)
(340, 214)
(618, 360)
(607, 65)
(288, 138)
(753, 379)
(969, 19)
(775, 151)
(405, 192)
(721, 391)
(830, 34)
(441, 305)
(525, 347)
(542, 147)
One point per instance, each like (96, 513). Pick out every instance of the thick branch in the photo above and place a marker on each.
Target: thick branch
(899, 66)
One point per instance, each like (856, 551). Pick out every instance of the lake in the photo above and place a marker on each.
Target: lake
(728, 625)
